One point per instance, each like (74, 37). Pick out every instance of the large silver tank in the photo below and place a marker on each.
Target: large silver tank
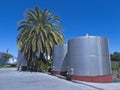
(89, 56)
(59, 55)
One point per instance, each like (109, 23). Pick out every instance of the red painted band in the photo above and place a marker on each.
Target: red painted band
(58, 73)
(99, 79)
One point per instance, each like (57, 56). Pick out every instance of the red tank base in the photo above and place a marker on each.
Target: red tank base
(97, 79)
(59, 73)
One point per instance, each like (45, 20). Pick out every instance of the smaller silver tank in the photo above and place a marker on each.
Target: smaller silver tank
(59, 55)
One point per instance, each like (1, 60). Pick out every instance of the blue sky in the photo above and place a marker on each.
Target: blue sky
(78, 17)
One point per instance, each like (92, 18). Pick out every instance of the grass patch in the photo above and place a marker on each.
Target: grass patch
(8, 66)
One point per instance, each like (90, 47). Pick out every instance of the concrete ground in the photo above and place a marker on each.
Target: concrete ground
(10, 79)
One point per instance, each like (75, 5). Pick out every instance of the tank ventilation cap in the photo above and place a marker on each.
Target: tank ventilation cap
(86, 34)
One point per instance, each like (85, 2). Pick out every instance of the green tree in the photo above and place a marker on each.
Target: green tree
(6, 56)
(115, 56)
(115, 65)
(38, 33)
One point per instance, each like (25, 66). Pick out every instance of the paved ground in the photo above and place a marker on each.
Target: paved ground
(10, 79)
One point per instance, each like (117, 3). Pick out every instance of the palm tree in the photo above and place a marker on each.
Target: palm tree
(38, 33)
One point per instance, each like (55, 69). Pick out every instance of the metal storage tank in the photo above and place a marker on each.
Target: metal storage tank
(21, 60)
(89, 59)
(59, 62)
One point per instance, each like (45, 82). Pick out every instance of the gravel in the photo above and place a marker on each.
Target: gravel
(10, 79)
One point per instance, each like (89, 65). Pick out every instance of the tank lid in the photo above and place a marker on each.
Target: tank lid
(86, 34)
